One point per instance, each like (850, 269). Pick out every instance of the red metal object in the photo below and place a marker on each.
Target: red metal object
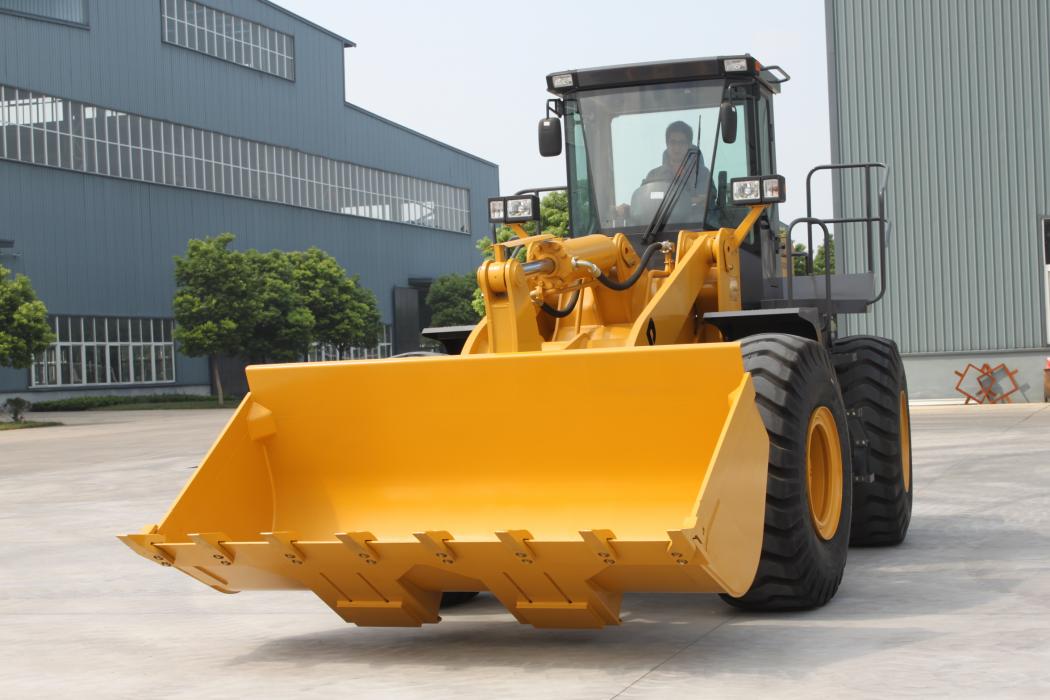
(987, 384)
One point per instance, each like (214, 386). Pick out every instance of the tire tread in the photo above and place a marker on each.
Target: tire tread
(797, 570)
(881, 508)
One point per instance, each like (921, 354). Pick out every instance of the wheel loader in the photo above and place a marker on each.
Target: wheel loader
(658, 402)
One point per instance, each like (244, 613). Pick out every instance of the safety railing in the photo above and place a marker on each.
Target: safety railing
(876, 229)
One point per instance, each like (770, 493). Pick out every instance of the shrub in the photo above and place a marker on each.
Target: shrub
(86, 403)
(17, 407)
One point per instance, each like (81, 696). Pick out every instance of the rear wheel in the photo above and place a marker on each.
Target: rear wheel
(875, 390)
(808, 496)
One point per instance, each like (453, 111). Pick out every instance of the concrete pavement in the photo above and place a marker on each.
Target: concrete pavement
(961, 608)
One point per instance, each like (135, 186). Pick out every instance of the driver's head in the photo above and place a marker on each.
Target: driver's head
(679, 137)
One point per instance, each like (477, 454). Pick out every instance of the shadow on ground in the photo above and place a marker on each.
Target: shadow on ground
(948, 566)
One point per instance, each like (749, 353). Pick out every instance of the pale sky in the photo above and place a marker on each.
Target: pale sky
(472, 73)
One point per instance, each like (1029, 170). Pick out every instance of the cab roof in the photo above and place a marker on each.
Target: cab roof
(563, 82)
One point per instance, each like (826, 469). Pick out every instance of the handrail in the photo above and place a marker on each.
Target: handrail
(870, 218)
(809, 221)
(537, 190)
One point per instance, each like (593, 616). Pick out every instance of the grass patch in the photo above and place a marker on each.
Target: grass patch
(134, 403)
(27, 424)
(164, 406)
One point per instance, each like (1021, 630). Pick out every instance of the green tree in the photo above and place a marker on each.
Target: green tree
(450, 300)
(554, 210)
(798, 262)
(819, 259)
(214, 303)
(282, 328)
(345, 313)
(824, 253)
(267, 307)
(366, 309)
(24, 330)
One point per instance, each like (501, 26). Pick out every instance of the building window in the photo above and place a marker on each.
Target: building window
(53, 131)
(65, 11)
(198, 27)
(94, 350)
(328, 353)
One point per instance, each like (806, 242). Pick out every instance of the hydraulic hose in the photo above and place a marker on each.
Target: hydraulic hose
(562, 313)
(649, 252)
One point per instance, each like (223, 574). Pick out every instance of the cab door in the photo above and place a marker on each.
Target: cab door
(759, 253)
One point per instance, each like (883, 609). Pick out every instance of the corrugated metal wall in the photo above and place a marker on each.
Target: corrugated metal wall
(103, 246)
(955, 96)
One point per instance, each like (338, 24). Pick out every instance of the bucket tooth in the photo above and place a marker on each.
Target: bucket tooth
(360, 543)
(599, 542)
(518, 543)
(145, 545)
(686, 547)
(213, 543)
(285, 544)
(435, 542)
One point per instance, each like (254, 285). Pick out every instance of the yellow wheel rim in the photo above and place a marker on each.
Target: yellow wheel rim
(905, 442)
(824, 472)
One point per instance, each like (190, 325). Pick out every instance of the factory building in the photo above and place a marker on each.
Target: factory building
(131, 126)
(954, 96)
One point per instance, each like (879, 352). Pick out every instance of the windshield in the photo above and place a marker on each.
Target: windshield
(626, 146)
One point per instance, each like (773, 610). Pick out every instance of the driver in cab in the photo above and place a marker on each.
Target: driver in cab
(647, 198)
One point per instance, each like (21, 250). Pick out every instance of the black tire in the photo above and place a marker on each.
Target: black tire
(872, 377)
(794, 380)
(453, 598)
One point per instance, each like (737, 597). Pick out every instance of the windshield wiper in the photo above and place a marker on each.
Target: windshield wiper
(663, 212)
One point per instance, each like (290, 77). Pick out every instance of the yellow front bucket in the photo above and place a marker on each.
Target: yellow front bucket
(555, 480)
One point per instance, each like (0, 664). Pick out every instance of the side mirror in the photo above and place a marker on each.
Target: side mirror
(727, 118)
(550, 137)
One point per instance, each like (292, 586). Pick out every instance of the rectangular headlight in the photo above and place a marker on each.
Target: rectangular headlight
(561, 81)
(735, 65)
(523, 209)
(764, 189)
(773, 189)
(496, 209)
(746, 190)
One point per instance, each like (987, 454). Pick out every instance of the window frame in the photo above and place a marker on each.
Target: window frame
(86, 24)
(227, 37)
(67, 358)
(96, 140)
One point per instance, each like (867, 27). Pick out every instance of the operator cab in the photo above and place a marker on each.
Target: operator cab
(652, 149)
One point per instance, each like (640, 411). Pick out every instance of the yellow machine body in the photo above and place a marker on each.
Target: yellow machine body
(554, 463)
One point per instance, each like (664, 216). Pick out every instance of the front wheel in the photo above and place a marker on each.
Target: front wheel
(808, 489)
